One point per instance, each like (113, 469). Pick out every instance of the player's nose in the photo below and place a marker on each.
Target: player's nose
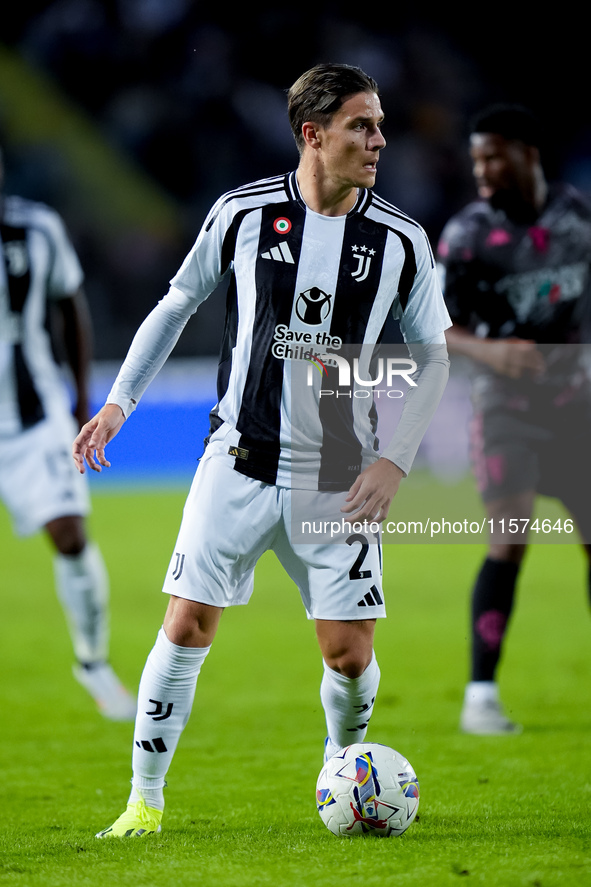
(377, 140)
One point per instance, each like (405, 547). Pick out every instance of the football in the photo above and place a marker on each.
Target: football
(367, 789)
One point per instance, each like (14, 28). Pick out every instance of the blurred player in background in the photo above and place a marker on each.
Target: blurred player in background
(42, 306)
(515, 272)
(315, 254)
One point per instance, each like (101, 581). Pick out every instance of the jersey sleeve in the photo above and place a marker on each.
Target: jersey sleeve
(210, 258)
(423, 321)
(201, 271)
(455, 263)
(150, 348)
(420, 403)
(425, 314)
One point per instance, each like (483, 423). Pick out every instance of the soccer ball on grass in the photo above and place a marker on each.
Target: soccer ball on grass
(367, 789)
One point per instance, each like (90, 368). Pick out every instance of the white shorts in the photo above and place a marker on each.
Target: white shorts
(38, 479)
(230, 520)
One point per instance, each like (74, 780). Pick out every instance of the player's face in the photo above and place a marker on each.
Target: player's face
(500, 164)
(351, 145)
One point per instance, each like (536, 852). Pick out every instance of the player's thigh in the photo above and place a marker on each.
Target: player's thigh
(567, 467)
(340, 574)
(38, 480)
(503, 455)
(228, 522)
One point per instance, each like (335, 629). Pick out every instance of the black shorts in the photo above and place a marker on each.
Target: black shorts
(546, 450)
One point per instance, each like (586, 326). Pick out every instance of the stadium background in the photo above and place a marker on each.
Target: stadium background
(132, 116)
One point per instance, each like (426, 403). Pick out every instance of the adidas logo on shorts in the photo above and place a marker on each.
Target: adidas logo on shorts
(371, 599)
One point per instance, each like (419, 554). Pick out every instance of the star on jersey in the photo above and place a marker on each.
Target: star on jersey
(364, 256)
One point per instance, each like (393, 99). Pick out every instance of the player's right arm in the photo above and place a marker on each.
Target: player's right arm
(460, 276)
(151, 346)
(514, 358)
(90, 444)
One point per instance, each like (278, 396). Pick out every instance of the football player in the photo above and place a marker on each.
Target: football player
(515, 269)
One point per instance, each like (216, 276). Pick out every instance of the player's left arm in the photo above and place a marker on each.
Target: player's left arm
(422, 324)
(372, 493)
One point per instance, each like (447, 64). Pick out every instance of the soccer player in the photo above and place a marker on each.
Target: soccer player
(312, 256)
(515, 270)
(42, 304)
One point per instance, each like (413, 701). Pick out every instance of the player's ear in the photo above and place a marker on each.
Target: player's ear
(310, 132)
(533, 154)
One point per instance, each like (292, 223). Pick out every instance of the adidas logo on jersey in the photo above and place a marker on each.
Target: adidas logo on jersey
(279, 253)
(371, 599)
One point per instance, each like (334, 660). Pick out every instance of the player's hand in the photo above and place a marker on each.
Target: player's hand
(371, 495)
(516, 358)
(95, 435)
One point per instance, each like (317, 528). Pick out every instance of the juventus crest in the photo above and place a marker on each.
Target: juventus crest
(364, 257)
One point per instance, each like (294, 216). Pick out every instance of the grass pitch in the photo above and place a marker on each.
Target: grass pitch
(240, 803)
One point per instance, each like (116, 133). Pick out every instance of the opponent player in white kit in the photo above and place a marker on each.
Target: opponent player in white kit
(313, 256)
(39, 270)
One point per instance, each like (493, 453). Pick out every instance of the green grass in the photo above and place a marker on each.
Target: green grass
(240, 802)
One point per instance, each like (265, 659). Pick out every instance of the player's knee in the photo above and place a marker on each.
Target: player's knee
(507, 553)
(68, 534)
(351, 663)
(347, 647)
(190, 624)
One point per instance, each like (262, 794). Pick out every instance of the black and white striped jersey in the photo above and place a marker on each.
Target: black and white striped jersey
(301, 286)
(38, 263)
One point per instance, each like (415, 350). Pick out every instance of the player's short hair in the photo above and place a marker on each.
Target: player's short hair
(510, 121)
(320, 92)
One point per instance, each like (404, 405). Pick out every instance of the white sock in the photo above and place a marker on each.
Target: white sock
(348, 704)
(479, 692)
(82, 586)
(165, 699)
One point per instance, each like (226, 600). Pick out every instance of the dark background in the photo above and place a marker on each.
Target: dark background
(132, 116)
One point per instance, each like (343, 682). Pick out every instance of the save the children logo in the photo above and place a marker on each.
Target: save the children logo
(292, 344)
(313, 306)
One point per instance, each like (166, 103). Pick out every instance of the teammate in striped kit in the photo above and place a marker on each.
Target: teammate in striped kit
(40, 274)
(315, 264)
